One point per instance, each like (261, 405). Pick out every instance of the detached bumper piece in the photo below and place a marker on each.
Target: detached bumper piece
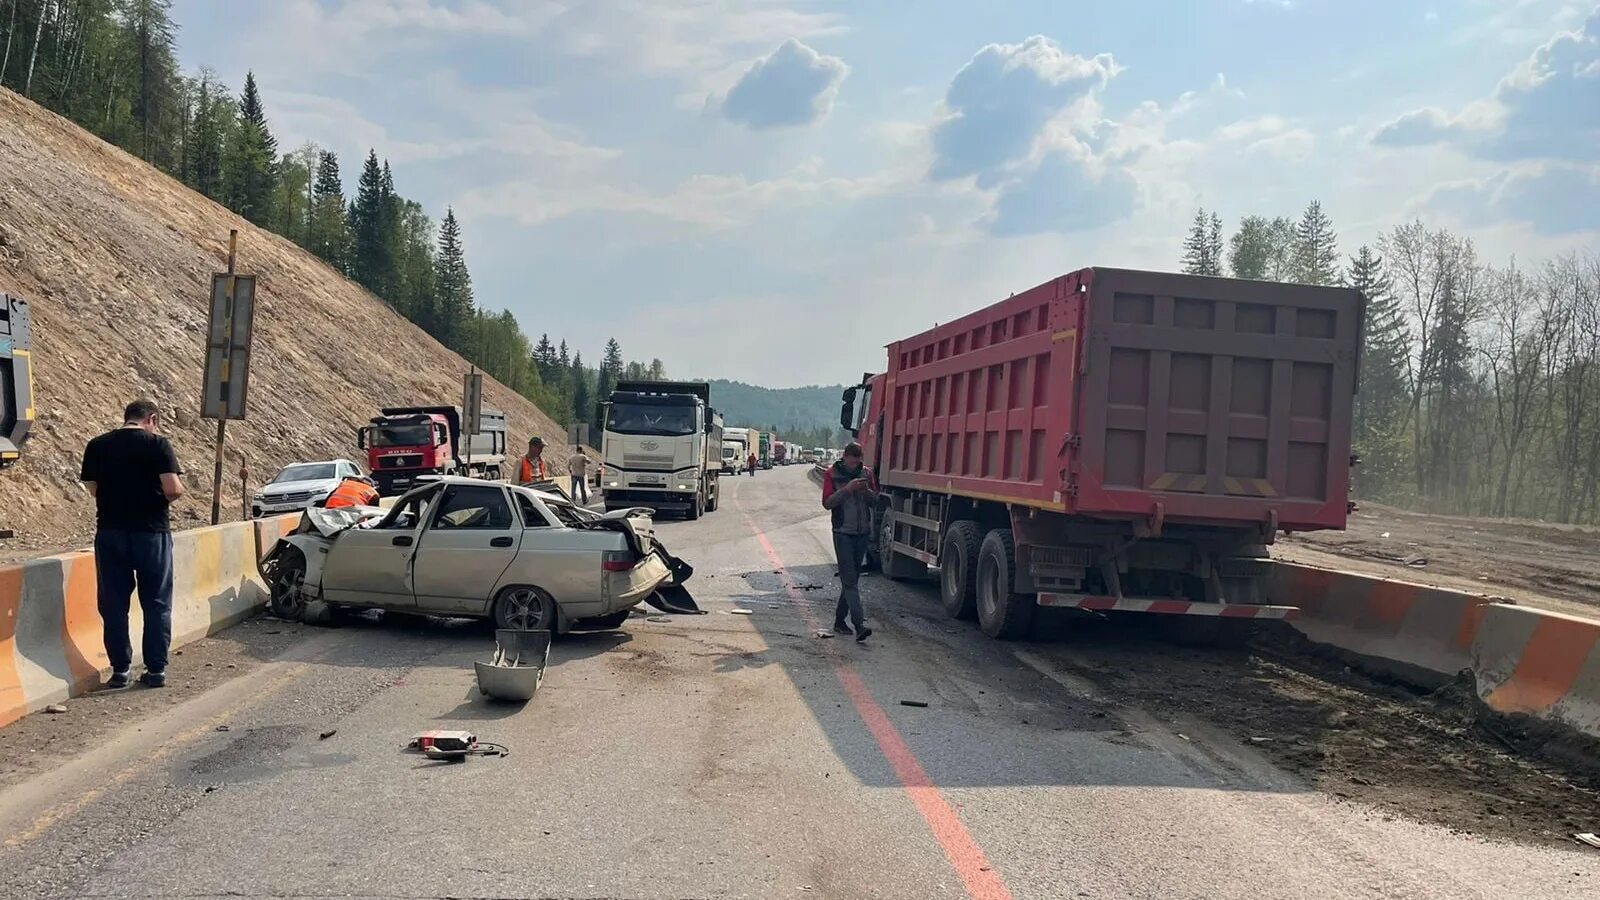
(517, 669)
(672, 596)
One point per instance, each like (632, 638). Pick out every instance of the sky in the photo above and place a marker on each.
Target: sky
(771, 190)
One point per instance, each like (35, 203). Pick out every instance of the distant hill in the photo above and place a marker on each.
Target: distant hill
(802, 408)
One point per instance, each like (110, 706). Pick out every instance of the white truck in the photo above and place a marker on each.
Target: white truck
(743, 439)
(662, 447)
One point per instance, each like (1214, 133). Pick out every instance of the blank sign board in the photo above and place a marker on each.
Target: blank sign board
(227, 373)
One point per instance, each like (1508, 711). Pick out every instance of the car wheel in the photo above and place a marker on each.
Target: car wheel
(287, 578)
(524, 608)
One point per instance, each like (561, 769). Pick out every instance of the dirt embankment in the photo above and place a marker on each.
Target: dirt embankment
(1541, 564)
(116, 259)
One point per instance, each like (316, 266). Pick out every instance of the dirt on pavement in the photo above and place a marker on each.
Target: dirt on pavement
(1428, 757)
(115, 260)
(1535, 563)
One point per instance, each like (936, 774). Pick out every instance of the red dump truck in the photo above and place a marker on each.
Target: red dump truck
(1113, 440)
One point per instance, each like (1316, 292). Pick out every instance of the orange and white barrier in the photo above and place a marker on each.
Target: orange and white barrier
(51, 644)
(1523, 660)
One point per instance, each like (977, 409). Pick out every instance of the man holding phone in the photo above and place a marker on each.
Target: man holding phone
(850, 494)
(134, 476)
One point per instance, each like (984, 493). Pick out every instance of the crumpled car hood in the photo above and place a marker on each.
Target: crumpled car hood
(330, 522)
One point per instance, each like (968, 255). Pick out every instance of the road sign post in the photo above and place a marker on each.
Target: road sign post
(226, 377)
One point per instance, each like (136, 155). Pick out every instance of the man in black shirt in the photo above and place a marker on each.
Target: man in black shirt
(133, 475)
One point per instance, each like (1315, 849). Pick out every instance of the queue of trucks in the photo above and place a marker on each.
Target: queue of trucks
(1113, 440)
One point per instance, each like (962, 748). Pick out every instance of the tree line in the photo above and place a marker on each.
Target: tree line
(110, 66)
(1480, 383)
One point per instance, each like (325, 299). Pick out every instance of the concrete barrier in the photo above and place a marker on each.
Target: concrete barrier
(1523, 661)
(51, 641)
(1541, 664)
(1421, 634)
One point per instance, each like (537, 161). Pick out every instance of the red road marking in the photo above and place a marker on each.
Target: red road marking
(981, 880)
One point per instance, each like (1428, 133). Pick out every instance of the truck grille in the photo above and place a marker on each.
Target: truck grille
(291, 497)
(400, 461)
(647, 461)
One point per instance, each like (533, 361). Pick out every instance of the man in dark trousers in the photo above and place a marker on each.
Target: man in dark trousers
(133, 475)
(850, 494)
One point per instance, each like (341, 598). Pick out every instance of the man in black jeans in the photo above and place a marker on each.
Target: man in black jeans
(133, 475)
(850, 494)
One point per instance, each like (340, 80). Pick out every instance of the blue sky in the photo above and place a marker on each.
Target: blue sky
(770, 190)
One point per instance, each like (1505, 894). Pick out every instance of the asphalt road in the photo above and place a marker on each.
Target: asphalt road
(724, 755)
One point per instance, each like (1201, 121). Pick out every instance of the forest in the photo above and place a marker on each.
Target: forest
(1479, 382)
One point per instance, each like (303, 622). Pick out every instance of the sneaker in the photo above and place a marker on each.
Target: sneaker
(842, 628)
(153, 679)
(117, 680)
(863, 634)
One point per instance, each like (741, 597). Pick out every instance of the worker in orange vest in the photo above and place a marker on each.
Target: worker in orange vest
(532, 468)
(352, 492)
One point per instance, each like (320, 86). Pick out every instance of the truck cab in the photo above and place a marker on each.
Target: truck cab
(405, 443)
(662, 444)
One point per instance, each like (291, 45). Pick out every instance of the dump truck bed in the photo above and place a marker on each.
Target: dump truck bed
(1123, 394)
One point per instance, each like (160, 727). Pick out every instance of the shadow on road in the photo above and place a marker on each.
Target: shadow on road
(991, 720)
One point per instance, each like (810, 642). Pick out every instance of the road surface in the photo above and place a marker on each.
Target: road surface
(722, 756)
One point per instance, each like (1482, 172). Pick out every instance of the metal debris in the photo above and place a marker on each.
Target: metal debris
(56, 708)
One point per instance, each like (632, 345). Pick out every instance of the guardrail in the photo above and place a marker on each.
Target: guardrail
(51, 641)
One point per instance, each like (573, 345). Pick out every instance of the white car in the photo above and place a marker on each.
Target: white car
(461, 547)
(301, 486)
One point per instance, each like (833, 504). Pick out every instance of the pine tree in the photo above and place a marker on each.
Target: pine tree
(249, 158)
(1215, 245)
(370, 261)
(149, 25)
(1379, 425)
(1197, 247)
(414, 282)
(563, 360)
(1316, 250)
(611, 368)
(330, 237)
(453, 304)
(544, 356)
(210, 124)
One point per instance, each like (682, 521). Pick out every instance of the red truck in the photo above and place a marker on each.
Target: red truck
(407, 442)
(780, 453)
(1113, 440)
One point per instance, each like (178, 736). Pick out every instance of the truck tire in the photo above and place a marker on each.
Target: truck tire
(958, 569)
(696, 507)
(715, 501)
(1002, 612)
(896, 566)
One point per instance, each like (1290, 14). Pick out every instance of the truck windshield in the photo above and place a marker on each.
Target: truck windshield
(648, 418)
(402, 436)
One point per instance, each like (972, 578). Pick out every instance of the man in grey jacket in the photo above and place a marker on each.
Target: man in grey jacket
(850, 494)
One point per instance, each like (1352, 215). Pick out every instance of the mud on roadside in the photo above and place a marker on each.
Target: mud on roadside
(1425, 756)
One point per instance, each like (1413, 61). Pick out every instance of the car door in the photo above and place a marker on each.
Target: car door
(373, 566)
(471, 538)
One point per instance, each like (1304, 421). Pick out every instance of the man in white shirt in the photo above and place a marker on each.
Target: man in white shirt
(579, 467)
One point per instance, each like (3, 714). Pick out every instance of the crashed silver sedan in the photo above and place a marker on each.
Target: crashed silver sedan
(524, 558)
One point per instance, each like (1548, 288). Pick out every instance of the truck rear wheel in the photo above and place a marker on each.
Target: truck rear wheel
(1002, 613)
(958, 569)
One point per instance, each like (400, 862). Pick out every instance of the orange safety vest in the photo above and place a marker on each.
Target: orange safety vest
(527, 472)
(351, 492)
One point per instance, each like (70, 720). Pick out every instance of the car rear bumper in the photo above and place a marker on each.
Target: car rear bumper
(628, 589)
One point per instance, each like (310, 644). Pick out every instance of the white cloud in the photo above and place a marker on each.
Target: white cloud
(1002, 99)
(1547, 107)
(1551, 198)
(793, 85)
